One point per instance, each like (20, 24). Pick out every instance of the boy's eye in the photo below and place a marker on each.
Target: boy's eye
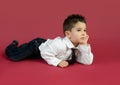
(78, 30)
(85, 30)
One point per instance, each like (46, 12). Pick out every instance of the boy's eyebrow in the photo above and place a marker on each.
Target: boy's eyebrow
(82, 28)
(79, 28)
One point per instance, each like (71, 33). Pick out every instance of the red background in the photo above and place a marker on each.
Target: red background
(26, 19)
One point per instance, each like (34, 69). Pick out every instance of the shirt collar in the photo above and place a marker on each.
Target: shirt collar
(67, 41)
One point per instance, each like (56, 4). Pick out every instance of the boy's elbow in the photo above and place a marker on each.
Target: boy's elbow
(89, 63)
(90, 60)
(86, 62)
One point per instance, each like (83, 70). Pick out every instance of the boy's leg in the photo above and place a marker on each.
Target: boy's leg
(16, 53)
(34, 44)
(25, 51)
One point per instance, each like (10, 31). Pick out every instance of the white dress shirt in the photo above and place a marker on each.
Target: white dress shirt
(53, 51)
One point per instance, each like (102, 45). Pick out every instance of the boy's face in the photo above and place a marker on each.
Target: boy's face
(78, 34)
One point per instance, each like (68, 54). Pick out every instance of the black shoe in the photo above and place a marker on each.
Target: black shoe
(15, 42)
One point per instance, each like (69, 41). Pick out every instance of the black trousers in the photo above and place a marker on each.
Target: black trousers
(25, 51)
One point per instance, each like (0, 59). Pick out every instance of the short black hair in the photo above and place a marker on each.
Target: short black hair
(71, 20)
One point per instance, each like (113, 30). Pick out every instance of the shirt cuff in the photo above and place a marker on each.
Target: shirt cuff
(54, 62)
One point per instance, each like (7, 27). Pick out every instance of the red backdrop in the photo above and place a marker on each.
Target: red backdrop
(26, 19)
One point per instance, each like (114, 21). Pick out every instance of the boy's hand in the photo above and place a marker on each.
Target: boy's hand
(84, 40)
(63, 64)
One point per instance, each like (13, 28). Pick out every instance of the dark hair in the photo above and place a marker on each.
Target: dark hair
(71, 20)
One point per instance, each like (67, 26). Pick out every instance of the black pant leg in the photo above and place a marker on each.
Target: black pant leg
(25, 51)
(18, 53)
(34, 44)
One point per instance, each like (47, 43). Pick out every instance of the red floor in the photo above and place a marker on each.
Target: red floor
(104, 71)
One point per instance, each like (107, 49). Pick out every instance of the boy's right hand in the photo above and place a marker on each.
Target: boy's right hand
(63, 64)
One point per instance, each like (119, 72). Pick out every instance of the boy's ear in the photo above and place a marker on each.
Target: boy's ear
(67, 33)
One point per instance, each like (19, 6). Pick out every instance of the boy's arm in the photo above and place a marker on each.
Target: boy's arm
(50, 50)
(49, 56)
(85, 56)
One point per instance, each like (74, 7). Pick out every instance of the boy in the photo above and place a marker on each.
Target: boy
(60, 52)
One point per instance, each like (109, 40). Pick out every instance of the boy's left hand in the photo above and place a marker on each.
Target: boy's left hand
(63, 64)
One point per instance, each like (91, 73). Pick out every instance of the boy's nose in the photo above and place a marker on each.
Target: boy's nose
(83, 34)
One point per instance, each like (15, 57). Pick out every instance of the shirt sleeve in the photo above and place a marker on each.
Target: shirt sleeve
(49, 51)
(85, 56)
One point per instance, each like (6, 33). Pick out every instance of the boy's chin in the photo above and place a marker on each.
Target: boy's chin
(81, 43)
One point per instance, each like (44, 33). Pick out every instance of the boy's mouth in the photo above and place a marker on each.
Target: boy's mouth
(82, 38)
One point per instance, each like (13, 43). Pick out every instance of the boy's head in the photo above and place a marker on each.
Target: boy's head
(74, 28)
(71, 20)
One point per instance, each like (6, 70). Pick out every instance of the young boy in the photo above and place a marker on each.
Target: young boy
(60, 52)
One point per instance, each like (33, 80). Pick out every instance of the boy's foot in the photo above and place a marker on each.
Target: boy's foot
(15, 42)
